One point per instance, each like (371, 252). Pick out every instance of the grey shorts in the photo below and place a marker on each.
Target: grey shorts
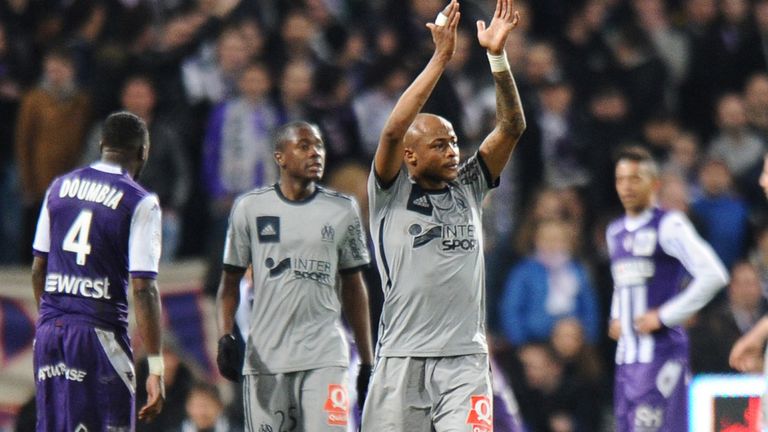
(441, 394)
(314, 400)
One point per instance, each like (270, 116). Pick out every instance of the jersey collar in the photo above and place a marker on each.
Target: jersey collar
(107, 167)
(305, 200)
(632, 223)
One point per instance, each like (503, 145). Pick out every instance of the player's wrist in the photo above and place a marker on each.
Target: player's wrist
(498, 62)
(156, 365)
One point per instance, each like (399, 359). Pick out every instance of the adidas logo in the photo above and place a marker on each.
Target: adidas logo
(268, 230)
(422, 201)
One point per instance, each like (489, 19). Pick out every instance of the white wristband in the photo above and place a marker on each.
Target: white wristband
(441, 19)
(156, 365)
(499, 63)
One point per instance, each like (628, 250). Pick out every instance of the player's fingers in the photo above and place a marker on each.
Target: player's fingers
(455, 21)
(505, 10)
(497, 12)
(480, 26)
(515, 19)
(452, 9)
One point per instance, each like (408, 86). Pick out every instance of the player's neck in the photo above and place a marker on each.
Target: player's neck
(118, 159)
(633, 213)
(429, 183)
(296, 190)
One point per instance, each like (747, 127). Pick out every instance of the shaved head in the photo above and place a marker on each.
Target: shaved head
(425, 125)
(287, 132)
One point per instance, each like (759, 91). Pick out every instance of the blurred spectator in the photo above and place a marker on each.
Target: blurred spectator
(660, 130)
(547, 286)
(716, 330)
(238, 155)
(205, 410)
(640, 72)
(50, 132)
(673, 193)
(756, 103)
(723, 216)
(213, 77)
(735, 144)
(168, 172)
(549, 401)
(579, 358)
(295, 90)
(387, 80)
(331, 109)
(683, 160)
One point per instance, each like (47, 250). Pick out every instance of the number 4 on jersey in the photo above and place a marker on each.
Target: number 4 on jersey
(76, 240)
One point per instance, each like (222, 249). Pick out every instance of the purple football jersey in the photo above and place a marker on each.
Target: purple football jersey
(644, 277)
(90, 214)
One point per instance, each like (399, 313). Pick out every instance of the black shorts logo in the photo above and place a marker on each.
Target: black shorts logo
(268, 229)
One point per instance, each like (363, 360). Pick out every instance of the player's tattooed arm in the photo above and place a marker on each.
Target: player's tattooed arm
(39, 272)
(389, 154)
(510, 119)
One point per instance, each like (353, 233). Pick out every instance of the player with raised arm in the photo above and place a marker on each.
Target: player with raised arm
(97, 228)
(299, 237)
(654, 253)
(432, 370)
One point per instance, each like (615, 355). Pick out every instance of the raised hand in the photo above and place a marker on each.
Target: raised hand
(444, 36)
(494, 37)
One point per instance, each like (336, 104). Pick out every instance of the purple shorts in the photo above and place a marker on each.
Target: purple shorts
(84, 378)
(652, 397)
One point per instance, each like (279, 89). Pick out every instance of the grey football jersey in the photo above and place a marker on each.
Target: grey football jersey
(429, 248)
(297, 249)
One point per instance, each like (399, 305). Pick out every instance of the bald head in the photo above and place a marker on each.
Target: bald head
(427, 126)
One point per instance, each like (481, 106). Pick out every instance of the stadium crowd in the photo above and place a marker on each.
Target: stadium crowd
(213, 79)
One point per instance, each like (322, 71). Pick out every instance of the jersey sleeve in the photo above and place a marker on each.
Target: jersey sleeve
(42, 243)
(474, 174)
(380, 196)
(145, 239)
(679, 239)
(237, 248)
(353, 249)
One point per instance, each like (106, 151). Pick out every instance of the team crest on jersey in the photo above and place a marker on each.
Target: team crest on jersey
(645, 242)
(337, 405)
(480, 414)
(268, 229)
(327, 233)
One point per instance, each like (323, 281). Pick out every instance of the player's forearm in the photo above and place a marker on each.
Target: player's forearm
(510, 119)
(695, 296)
(146, 300)
(39, 273)
(227, 300)
(354, 297)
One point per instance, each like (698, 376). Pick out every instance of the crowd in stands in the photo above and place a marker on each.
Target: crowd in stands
(213, 79)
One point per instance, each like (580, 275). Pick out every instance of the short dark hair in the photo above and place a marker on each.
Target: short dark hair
(641, 155)
(207, 389)
(283, 132)
(61, 53)
(124, 131)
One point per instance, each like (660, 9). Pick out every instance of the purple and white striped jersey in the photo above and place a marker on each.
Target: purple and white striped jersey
(96, 226)
(653, 257)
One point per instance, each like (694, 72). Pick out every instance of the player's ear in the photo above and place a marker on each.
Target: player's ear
(101, 146)
(279, 159)
(410, 156)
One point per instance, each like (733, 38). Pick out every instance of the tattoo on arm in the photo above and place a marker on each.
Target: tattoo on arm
(509, 109)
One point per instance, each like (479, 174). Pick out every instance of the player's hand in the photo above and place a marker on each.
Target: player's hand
(229, 358)
(444, 36)
(363, 379)
(747, 353)
(155, 398)
(648, 322)
(494, 37)
(614, 329)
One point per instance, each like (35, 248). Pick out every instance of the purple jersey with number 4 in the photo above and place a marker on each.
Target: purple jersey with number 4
(97, 228)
